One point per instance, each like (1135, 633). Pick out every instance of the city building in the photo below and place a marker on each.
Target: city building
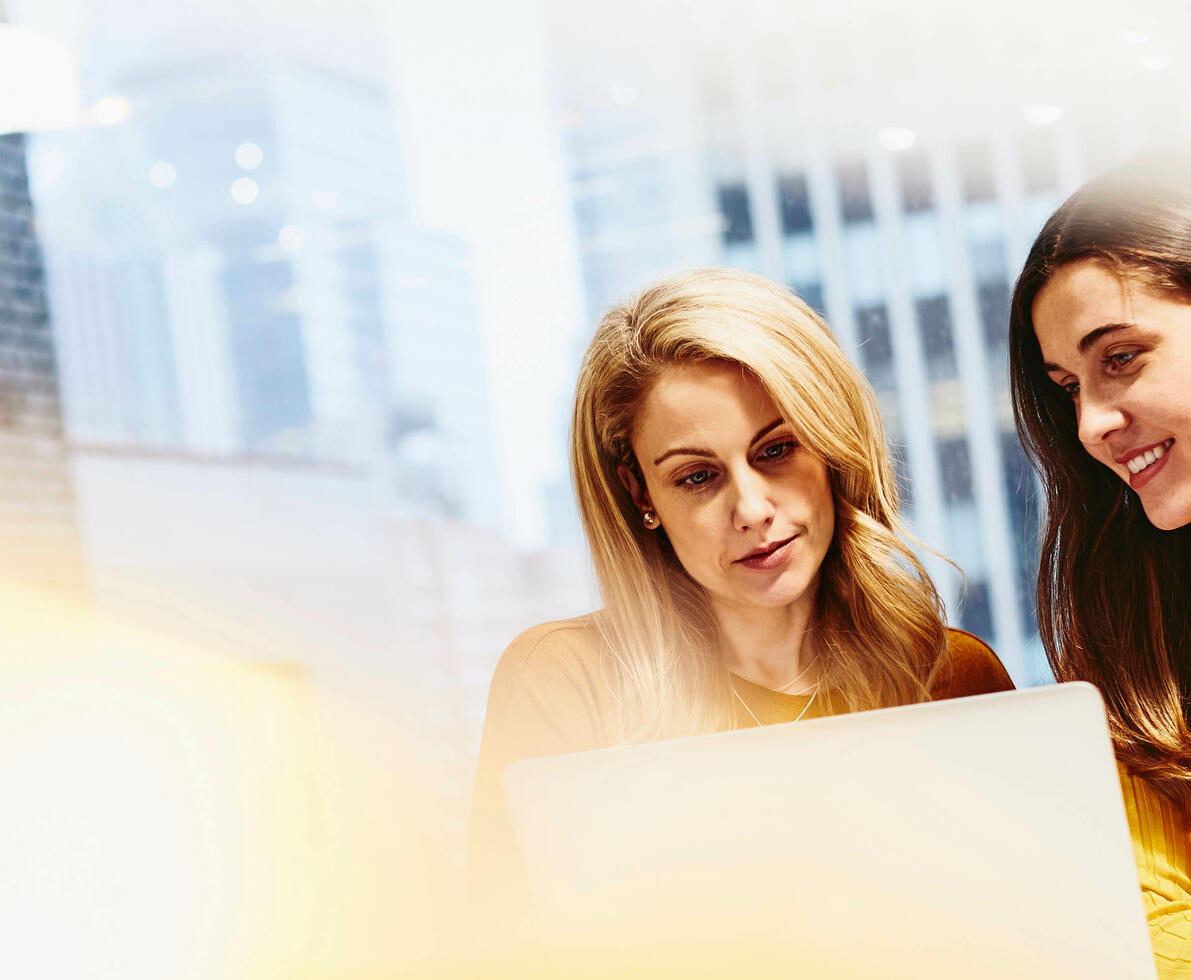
(38, 534)
(235, 271)
(897, 206)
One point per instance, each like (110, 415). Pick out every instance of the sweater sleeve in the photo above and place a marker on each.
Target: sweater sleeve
(1162, 847)
(974, 669)
(543, 700)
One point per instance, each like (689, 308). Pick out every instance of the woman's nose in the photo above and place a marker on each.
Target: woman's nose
(753, 505)
(1099, 416)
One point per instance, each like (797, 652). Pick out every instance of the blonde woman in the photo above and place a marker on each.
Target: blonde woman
(737, 494)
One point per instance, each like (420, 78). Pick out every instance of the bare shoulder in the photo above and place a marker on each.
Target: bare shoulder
(974, 669)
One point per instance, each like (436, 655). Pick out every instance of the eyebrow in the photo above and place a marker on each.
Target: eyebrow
(707, 453)
(1090, 338)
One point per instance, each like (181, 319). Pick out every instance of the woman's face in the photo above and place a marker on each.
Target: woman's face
(749, 512)
(1122, 352)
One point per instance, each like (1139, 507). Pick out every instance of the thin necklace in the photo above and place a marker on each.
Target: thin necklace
(785, 688)
(805, 709)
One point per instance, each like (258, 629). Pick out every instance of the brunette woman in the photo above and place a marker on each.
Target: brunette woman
(1100, 354)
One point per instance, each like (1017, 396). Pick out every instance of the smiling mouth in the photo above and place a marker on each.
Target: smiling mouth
(1143, 460)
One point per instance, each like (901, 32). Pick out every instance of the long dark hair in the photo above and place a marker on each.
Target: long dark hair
(1112, 589)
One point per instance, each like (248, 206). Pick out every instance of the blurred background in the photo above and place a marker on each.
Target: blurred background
(292, 299)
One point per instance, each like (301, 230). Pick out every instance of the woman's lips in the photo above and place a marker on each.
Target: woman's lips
(771, 558)
(1139, 480)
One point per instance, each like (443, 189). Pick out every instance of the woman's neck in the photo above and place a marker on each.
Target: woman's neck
(770, 646)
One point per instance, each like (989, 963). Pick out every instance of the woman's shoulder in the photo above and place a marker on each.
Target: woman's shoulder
(548, 695)
(556, 666)
(566, 644)
(973, 668)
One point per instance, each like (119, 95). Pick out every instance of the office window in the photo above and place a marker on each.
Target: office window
(812, 295)
(1038, 162)
(917, 192)
(934, 326)
(794, 203)
(993, 299)
(976, 614)
(876, 346)
(955, 467)
(976, 172)
(1025, 520)
(855, 199)
(901, 473)
(738, 218)
(988, 258)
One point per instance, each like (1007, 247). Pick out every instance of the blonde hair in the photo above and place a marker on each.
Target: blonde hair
(879, 619)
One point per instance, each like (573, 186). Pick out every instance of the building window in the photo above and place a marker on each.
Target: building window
(738, 219)
(901, 473)
(976, 614)
(794, 202)
(1038, 163)
(993, 298)
(976, 172)
(987, 255)
(812, 295)
(856, 202)
(956, 470)
(1025, 518)
(876, 346)
(934, 326)
(913, 172)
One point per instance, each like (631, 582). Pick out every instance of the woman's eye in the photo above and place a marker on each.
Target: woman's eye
(1121, 359)
(778, 450)
(1072, 389)
(696, 479)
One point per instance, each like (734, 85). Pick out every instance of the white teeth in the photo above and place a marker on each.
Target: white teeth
(1148, 458)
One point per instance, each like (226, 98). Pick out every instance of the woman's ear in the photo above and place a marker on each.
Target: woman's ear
(633, 483)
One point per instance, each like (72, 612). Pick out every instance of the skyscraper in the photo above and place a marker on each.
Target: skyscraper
(38, 538)
(238, 273)
(891, 169)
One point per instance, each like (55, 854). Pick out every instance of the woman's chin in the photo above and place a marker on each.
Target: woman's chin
(1167, 514)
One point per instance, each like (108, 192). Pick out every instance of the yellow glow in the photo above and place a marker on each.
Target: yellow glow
(170, 812)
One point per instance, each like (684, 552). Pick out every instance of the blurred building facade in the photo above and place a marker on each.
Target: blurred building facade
(38, 533)
(235, 271)
(898, 209)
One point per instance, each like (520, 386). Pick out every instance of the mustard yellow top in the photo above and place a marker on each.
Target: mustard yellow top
(1162, 847)
(546, 698)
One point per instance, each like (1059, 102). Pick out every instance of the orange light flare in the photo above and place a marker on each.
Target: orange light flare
(173, 812)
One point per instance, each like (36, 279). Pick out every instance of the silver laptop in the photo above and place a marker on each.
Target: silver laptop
(983, 837)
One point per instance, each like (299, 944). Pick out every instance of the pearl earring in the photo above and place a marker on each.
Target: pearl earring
(650, 519)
